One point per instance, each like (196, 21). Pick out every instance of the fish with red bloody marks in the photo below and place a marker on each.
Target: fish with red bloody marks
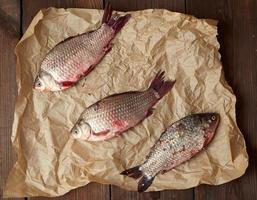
(179, 143)
(115, 114)
(75, 57)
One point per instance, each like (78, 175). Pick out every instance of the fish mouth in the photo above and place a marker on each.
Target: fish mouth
(36, 88)
(39, 89)
(34, 84)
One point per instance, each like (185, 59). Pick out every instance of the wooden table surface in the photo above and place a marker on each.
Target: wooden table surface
(238, 40)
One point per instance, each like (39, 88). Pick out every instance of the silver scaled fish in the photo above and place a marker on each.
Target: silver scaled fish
(74, 58)
(115, 114)
(179, 143)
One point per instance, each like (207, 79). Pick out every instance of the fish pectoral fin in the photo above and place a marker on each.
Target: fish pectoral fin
(102, 133)
(150, 112)
(108, 48)
(101, 136)
(86, 72)
(119, 125)
(66, 83)
(165, 170)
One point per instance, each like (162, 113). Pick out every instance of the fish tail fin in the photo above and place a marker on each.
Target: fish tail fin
(136, 172)
(144, 183)
(133, 172)
(160, 86)
(114, 21)
(107, 13)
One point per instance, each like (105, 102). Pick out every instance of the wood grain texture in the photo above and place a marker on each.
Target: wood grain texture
(132, 5)
(120, 194)
(9, 36)
(92, 191)
(30, 8)
(238, 39)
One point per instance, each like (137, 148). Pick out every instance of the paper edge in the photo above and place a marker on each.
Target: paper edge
(39, 16)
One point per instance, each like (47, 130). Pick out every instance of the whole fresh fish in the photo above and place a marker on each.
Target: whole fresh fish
(179, 143)
(75, 57)
(117, 113)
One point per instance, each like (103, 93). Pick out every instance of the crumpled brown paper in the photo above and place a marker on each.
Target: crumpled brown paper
(50, 162)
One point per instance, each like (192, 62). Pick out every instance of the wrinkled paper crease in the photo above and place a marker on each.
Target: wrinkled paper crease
(51, 163)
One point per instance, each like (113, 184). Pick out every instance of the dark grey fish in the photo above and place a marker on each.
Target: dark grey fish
(179, 143)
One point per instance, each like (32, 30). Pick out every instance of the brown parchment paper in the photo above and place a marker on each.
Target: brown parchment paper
(51, 163)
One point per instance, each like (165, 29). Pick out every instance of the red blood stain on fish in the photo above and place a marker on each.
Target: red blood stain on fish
(75, 57)
(119, 112)
(179, 143)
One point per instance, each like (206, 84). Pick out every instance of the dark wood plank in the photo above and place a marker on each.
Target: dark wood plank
(125, 5)
(129, 5)
(9, 36)
(30, 8)
(93, 191)
(118, 193)
(238, 39)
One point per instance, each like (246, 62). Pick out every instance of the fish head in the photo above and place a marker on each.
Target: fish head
(39, 84)
(209, 122)
(45, 82)
(81, 130)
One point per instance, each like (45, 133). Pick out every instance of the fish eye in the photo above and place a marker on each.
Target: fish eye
(76, 131)
(213, 117)
(38, 84)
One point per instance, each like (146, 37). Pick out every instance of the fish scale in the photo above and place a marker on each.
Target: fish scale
(179, 143)
(176, 141)
(75, 57)
(119, 108)
(117, 113)
(77, 53)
